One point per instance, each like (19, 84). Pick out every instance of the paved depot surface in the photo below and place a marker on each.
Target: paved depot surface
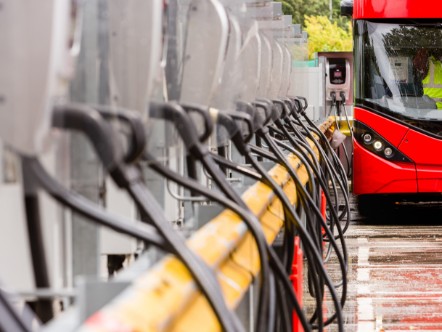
(395, 272)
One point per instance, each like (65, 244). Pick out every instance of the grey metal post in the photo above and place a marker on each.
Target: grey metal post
(89, 86)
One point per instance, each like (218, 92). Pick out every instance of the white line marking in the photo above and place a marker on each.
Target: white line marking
(363, 274)
(366, 317)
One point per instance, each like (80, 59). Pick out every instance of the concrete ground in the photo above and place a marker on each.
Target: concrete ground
(395, 271)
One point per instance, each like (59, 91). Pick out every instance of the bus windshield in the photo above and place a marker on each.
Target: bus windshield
(399, 71)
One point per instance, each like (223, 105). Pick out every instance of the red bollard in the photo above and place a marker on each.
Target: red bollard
(323, 209)
(297, 270)
(323, 204)
(297, 281)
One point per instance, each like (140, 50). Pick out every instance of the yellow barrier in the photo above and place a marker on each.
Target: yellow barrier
(343, 125)
(166, 297)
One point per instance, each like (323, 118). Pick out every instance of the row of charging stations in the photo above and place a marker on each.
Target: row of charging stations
(87, 183)
(130, 131)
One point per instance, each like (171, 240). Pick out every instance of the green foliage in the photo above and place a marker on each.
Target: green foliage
(314, 15)
(299, 9)
(325, 36)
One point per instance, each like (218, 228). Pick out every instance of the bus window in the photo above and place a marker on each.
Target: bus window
(394, 71)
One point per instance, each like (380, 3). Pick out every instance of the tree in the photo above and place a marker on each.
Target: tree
(325, 36)
(299, 9)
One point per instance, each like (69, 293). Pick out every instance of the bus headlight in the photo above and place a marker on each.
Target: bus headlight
(378, 145)
(388, 152)
(367, 138)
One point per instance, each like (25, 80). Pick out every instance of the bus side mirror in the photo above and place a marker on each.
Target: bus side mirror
(347, 8)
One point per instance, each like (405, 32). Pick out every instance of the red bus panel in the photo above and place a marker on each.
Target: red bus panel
(367, 9)
(375, 175)
(422, 149)
(426, 152)
(390, 130)
(429, 179)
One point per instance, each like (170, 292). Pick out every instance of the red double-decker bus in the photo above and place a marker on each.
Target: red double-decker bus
(398, 100)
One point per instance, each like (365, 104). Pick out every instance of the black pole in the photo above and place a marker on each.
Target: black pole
(43, 308)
